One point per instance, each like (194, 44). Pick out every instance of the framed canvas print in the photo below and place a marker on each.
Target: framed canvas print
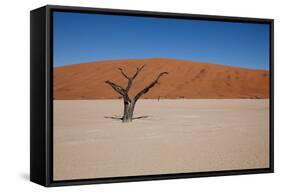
(119, 95)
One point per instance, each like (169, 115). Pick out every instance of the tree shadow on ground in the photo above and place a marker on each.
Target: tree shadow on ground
(115, 117)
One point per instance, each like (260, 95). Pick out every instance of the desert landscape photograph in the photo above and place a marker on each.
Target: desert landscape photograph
(135, 96)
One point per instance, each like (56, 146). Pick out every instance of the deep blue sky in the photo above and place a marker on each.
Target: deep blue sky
(80, 37)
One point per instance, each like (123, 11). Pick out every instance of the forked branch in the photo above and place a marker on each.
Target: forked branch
(130, 79)
(122, 72)
(137, 72)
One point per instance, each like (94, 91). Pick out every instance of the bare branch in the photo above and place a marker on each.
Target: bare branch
(119, 90)
(130, 79)
(116, 87)
(122, 72)
(146, 89)
(137, 72)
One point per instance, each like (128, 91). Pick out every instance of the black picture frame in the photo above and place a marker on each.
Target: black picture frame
(41, 99)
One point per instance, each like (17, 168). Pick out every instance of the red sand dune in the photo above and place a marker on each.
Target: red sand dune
(186, 79)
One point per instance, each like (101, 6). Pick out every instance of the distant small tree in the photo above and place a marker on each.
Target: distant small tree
(129, 103)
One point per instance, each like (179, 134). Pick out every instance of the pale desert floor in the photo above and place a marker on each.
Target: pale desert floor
(178, 136)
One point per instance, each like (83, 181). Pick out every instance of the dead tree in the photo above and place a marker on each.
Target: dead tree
(129, 103)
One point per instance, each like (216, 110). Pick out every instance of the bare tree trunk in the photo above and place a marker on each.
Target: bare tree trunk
(128, 111)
